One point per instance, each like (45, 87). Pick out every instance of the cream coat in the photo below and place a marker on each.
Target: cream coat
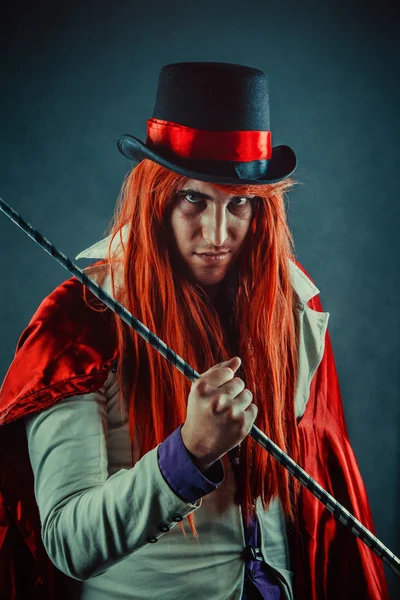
(98, 509)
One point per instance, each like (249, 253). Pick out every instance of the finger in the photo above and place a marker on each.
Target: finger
(231, 390)
(251, 413)
(241, 403)
(219, 377)
(235, 404)
(233, 363)
(220, 373)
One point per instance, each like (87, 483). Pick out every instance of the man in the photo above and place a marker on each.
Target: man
(122, 447)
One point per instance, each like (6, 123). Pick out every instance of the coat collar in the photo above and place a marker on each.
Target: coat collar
(303, 286)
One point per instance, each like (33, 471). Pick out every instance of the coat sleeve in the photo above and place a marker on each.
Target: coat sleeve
(91, 521)
(330, 561)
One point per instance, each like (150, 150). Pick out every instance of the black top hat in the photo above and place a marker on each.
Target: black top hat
(211, 122)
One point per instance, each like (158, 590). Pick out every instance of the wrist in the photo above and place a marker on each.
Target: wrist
(201, 464)
(201, 461)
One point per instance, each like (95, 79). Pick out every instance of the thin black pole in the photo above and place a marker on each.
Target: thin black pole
(339, 511)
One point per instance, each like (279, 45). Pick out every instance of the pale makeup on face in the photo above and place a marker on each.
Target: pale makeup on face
(205, 221)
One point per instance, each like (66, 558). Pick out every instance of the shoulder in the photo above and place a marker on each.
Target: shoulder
(304, 286)
(67, 349)
(70, 310)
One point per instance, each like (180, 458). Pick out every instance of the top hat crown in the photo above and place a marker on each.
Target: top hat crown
(211, 122)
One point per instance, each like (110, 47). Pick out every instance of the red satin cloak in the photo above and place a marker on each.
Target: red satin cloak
(68, 349)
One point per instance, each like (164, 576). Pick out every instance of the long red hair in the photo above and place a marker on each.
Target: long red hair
(265, 318)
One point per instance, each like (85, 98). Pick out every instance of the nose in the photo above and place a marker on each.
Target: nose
(215, 225)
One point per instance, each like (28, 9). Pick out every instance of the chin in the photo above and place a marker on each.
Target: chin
(210, 283)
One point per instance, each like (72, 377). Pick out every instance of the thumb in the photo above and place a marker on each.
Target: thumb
(233, 363)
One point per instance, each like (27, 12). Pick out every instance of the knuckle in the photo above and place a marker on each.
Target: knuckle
(220, 398)
(202, 386)
(237, 415)
(231, 388)
(227, 370)
(198, 384)
(217, 406)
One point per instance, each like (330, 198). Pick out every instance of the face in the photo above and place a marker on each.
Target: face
(208, 228)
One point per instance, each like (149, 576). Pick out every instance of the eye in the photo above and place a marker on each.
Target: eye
(243, 201)
(197, 199)
(193, 196)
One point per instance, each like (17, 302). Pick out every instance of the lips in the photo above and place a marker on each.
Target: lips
(211, 253)
(212, 258)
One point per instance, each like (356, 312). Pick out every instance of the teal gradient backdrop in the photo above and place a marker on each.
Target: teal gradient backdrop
(74, 77)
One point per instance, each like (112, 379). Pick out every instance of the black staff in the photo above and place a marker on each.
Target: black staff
(327, 500)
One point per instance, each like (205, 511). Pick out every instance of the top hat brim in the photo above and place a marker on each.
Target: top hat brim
(281, 164)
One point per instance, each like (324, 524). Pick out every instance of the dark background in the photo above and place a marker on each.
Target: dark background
(74, 77)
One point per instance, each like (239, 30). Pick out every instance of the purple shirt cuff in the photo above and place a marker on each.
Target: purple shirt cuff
(181, 474)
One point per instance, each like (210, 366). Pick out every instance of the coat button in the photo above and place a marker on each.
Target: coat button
(177, 518)
(163, 527)
(152, 539)
(114, 367)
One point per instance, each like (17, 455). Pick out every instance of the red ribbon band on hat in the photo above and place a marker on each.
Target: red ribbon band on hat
(241, 146)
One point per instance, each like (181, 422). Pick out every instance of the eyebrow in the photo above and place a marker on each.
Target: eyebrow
(203, 195)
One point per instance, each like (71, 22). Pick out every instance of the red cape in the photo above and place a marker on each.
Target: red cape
(68, 349)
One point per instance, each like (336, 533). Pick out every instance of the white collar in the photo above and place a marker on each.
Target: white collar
(303, 286)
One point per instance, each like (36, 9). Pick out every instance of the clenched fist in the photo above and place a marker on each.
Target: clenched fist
(220, 413)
